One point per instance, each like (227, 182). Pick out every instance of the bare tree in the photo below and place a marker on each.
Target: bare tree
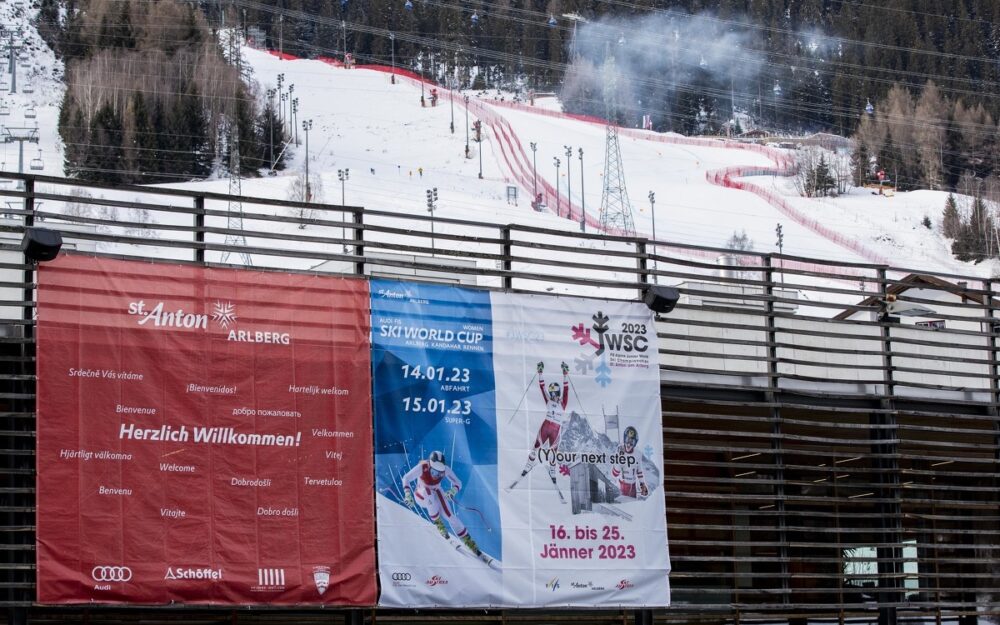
(840, 169)
(813, 177)
(298, 191)
(930, 123)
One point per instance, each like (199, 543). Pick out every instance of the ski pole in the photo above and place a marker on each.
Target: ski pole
(482, 517)
(578, 402)
(419, 509)
(523, 395)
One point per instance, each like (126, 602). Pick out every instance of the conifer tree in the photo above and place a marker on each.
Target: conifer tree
(951, 221)
(104, 159)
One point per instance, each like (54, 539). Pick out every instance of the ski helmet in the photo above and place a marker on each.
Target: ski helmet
(437, 461)
(554, 391)
(630, 437)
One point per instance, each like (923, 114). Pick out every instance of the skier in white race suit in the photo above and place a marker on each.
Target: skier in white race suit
(556, 398)
(437, 502)
(629, 474)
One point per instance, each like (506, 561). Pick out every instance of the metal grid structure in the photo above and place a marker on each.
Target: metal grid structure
(819, 467)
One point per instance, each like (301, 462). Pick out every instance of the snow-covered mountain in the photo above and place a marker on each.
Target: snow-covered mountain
(40, 89)
(396, 149)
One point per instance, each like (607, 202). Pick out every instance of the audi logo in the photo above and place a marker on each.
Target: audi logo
(401, 577)
(111, 573)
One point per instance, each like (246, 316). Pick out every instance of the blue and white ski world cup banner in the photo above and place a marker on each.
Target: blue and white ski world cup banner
(518, 450)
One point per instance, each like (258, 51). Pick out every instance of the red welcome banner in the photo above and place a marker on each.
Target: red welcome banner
(204, 436)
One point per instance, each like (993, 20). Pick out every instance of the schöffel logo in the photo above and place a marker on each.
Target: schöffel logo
(552, 584)
(269, 579)
(111, 573)
(436, 580)
(185, 573)
(622, 585)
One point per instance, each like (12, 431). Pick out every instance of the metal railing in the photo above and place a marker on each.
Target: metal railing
(827, 460)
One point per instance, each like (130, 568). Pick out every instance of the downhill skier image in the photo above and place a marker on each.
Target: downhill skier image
(556, 398)
(629, 473)
(437, 502)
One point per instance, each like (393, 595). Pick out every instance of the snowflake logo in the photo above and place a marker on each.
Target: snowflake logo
(224, 314)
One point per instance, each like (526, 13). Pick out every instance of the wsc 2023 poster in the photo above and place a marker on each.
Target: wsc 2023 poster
(518, 450)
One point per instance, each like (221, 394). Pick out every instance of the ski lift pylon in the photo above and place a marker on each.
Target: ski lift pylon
(37, 164)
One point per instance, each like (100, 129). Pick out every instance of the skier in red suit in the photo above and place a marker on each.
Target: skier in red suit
(556, 398)
(434, 499)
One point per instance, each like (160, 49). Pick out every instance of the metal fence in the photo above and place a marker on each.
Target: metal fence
(829, 458)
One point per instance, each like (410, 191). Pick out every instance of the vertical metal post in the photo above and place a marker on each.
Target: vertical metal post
(641, 265)
(652, 211)
(199, 229)
(777, 448)
(534, 172)
(27, 311)
(270, 128)
(583, 199)
(506, 262)
(467, 155)
(885, 451)
(569, 180)
(306, 126)
(13, 67)
(991, 327)
(359, 238)
(555, 161)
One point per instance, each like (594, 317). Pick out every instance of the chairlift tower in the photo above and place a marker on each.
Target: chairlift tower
(20, 136)
(234, 222)
(12, 49)
(616, 210)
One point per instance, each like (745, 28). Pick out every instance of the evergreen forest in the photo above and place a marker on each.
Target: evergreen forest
(153, 95)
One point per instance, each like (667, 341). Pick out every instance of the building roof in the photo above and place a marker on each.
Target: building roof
(915, 281)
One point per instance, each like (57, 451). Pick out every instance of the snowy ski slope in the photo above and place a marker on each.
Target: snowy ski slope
(396, 149)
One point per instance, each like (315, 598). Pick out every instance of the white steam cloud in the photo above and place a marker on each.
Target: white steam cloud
(669, 66)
